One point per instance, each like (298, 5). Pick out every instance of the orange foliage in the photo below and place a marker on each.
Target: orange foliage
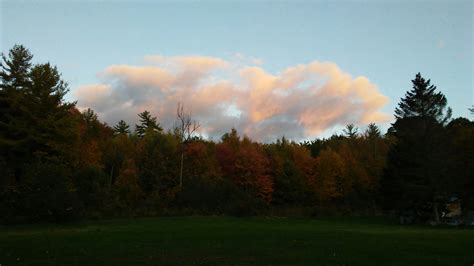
(253, 171)
(127, 184)
(330, 173)
(246, 165)
(200, 162)
(90, 154)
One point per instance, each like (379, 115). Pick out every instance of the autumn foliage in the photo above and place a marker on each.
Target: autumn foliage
(64, 163)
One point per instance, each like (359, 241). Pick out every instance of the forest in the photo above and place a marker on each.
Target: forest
(58, 163)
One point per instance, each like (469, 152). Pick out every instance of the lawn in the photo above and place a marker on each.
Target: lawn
(235, 241)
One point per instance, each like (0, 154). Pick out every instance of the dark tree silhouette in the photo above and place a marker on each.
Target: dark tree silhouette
(14, 81)
(122, 128)
(351, 131)
(416, 173)
(34, 119)
(147, 124)
(15, 69)
(89, 116)
(37, 130)
(423, 101)
(372, 131)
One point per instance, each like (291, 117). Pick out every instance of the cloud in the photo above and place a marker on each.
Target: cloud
(301, 101)
(441, 44)
(242, 59)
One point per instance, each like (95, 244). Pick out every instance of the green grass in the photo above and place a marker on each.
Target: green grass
(235, 241)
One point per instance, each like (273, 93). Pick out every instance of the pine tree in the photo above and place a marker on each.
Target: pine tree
(147, 124)
(372, 131)
(14, 80)
(14, 127)
(14, 72)
(37, 130)
(89, 116)
(351, 131)
(54, 129)
(122, 128)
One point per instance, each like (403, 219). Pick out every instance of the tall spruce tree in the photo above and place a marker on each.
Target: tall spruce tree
(423, 102)
(416, 172)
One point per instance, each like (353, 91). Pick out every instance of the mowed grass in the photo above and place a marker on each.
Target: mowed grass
(236, 241)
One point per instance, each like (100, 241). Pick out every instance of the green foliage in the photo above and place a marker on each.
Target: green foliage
(117, 151)
(417, 171)
(14, 81)
(36, 131)
(460, 133)
(91, 185)
(292, 172)
(34, 121)
(15, 69)
(157, 155)
(46, 194)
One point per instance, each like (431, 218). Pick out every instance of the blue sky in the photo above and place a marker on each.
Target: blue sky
(386, 41)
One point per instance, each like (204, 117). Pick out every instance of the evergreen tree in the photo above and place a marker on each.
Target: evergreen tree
(351, 131)
(122, 128)
(34, 120)
(147, 124)
(14, 80)
(89, 116)
(53, 129)
(14, 72)
(416, 171)
(36, 128)
(423, 102)
(372, 131)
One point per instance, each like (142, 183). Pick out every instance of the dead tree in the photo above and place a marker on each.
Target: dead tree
(185, 129)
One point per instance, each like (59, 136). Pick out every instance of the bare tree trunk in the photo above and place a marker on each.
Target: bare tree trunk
(186, 128)
(181, 170)
(111, 177)
(435, 210)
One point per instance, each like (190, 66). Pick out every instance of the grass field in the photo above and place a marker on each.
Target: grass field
(235, 241)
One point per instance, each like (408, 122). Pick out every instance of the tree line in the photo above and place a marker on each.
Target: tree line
(59, 164)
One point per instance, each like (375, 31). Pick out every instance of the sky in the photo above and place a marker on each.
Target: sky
(299, 69)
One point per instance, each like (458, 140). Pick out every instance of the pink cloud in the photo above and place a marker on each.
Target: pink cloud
(299, 102)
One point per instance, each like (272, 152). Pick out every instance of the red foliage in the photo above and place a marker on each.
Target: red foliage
(248, 167)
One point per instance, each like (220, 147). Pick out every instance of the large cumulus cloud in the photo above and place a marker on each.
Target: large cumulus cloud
(299, 102)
